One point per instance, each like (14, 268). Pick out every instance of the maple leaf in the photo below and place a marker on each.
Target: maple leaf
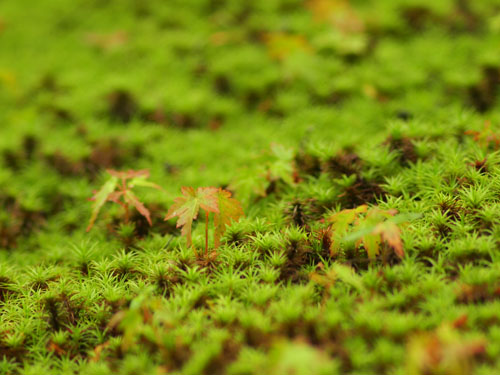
(118, 189)
(371, 243)
(391, 234)
(229, 210)
(132, 200)
(186, 208)
(100, 197)
(373, 228)
(210, 199)
(341, 222)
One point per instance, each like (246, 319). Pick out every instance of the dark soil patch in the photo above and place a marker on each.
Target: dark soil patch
(63, 311)
(307, 164)
(301, 212)
(121, 106)
(461, 19)
(325, 238)
(418, 17)
(483, 95)
(108, 154)
(166, 282)
(228, 354)
(297, 257)
(12, 160)
(451, 208)
(183, 120)
(464, 17)
(22, 222)
(474, 294)
(405, 148)
(334, 98)
(344, 163)
(142, 227)
(157, 115)
(404, 115)
(58, 113)
(5, 288)
(480, 165)
(208, 261)
(361, 192)
(63, 165)
(51, 84)
(222, 85)
(17, 354)
(15, 159)
(30, 146)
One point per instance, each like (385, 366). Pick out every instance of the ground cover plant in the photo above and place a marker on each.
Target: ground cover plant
(263, 187)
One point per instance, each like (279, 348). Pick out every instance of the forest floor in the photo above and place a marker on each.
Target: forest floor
(360, 138)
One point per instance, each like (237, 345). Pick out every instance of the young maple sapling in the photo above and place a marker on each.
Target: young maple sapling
(210, 199)
(118, 189)
(372, 227)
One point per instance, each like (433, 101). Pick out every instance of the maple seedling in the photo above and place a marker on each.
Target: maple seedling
(118, 189)
(372, 227)
(210, 199)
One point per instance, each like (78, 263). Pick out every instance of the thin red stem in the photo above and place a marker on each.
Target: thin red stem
(127, 214)
(125, 205)
(206, 234)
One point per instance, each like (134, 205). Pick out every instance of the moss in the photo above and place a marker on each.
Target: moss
(301, 110)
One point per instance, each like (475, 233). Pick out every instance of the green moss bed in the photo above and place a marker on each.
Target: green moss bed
(301, 109)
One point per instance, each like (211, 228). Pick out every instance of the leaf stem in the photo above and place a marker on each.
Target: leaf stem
(124, 191)
(127, 214)
(206, 234)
